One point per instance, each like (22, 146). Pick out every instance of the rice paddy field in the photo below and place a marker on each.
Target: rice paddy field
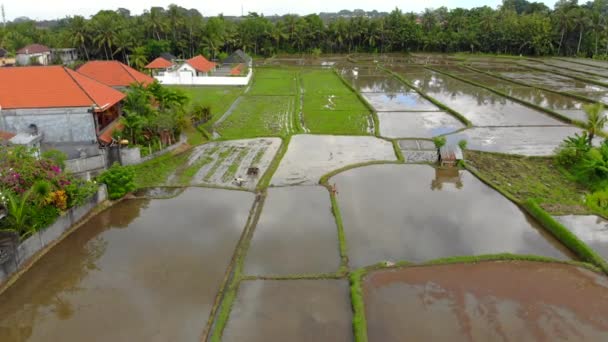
(318, 212)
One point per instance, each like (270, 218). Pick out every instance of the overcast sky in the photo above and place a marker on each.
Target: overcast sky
(53, 9)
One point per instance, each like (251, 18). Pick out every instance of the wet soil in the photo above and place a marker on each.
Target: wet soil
(309, 157)
(291, 310)
(593, 230)
(418, 213)
(143, 270)
(488, 301)
(294, 222)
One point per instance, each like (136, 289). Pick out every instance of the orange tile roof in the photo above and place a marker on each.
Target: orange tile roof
(52, 87)
(236, 70)
(106, 135)
(114, 73)
(200, 63)
(159, 63)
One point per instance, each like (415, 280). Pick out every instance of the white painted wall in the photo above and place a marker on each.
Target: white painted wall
(186, 77)
(43, 58)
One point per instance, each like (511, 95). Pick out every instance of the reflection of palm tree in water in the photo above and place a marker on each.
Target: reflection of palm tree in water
(37, 292)
(449, 175)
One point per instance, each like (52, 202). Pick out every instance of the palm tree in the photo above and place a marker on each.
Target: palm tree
(79, 33)
(139, 58)
(596, 120)
(564, 21)
(124, 42)
(581, 21)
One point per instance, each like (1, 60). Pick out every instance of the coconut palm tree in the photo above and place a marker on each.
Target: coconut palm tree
(596, 120)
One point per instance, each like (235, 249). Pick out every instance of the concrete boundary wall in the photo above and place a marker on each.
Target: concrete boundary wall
(176, 79)
(40, 240)
(132, 156)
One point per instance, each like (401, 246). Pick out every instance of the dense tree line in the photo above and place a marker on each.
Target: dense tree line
(515, 27)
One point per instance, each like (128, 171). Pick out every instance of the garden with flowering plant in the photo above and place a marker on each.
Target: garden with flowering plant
(35, 191)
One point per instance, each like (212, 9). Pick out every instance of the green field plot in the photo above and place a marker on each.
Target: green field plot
(260, 116)
(330, 107)
(322, 82)
(273, 82)
(218, 98)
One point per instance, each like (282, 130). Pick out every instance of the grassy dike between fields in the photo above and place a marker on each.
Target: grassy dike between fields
(500, 77)
(443, 107)
(220, 312)
(505, 95)
(559, 231)
(371, 108)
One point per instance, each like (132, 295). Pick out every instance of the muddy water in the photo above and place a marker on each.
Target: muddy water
(417, 124)
(489, 301)
(417, 213)
(295, 221)
(480, 106)
(144, 270)
(592, 229)
(527, 141)
(291, 310)
(569, 72)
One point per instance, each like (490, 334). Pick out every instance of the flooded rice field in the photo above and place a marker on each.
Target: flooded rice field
(295, 221)
(417, 124)
(402, 202)
(481, 106)
(488, 301)
(132, 265)
(553, 81)
(291, 310)
(591, 229)
(527, 141)
(378, 84)
(219, 163)
(309, 157)
(395, 102)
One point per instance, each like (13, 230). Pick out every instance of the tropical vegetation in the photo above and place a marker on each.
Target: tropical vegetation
(515, 27)
(35, 191)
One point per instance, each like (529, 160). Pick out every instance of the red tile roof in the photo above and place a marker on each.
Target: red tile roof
(200, 63)
(159, 63)
(52, 87)
(106, 135)
(237, 70)
(114, 73)
(33, 48)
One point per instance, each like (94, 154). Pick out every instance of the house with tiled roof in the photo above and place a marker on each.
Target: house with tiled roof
(68, 109)
(37, 54)
(199, 70)
(114, 74)
(159, 66)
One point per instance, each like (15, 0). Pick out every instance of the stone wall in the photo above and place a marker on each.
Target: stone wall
(37, 242)
(58, 125)
(132, 156)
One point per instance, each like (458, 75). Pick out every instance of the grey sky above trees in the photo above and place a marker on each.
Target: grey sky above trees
(40, 10)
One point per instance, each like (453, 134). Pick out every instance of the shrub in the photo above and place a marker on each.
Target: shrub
(463, 144)
(439, 142)
(201, 114)
(598, 201)
(119, 179)
(572, 150)
(56, 156)
(41, 217)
